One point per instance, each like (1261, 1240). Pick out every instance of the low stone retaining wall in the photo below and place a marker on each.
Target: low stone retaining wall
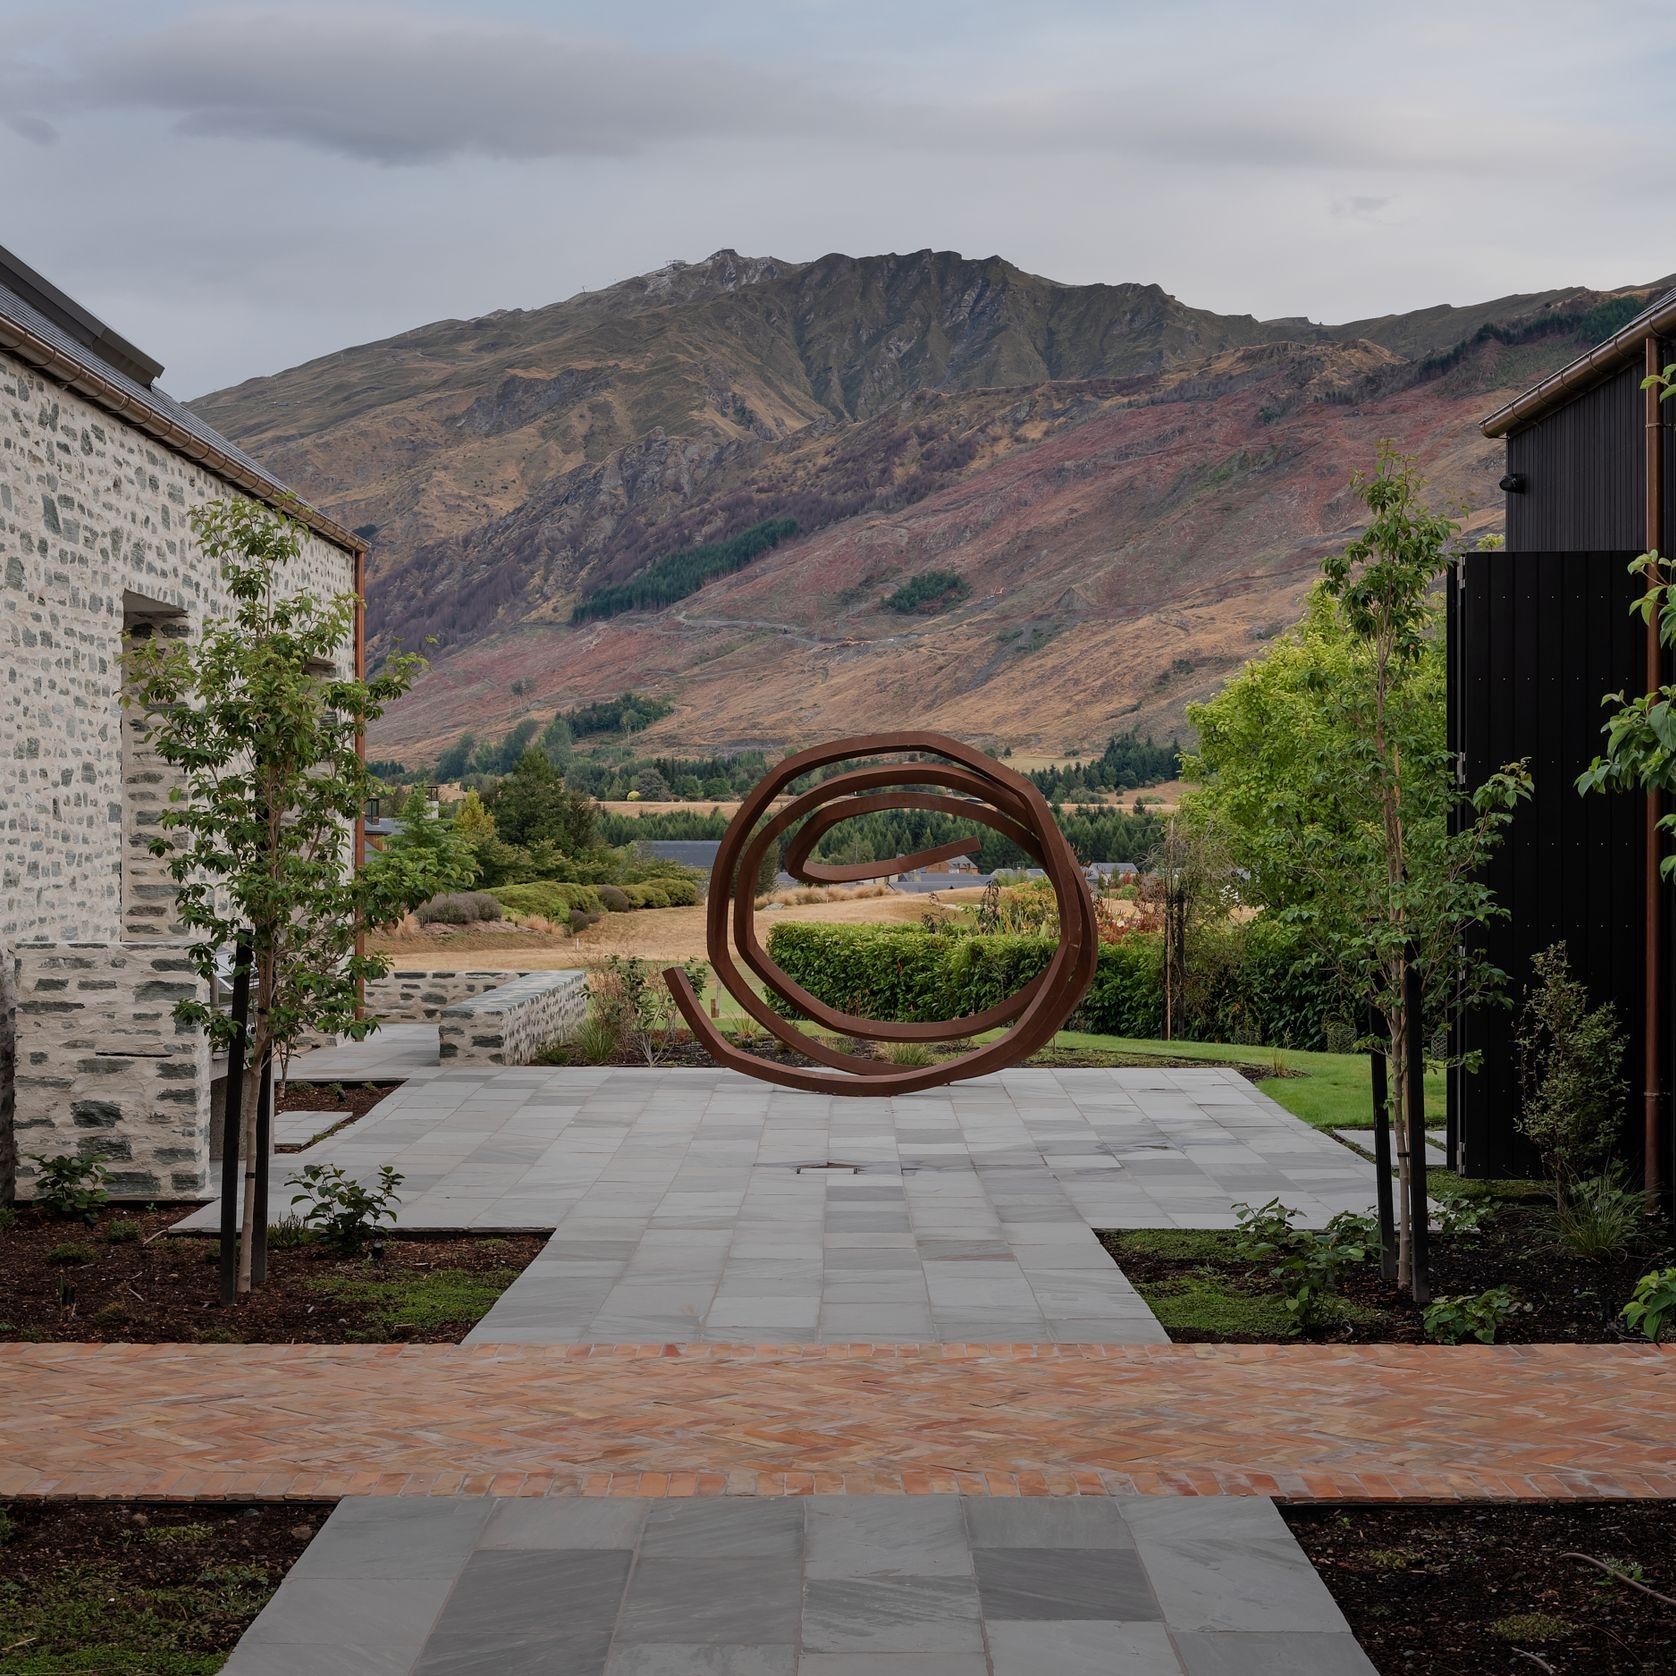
(413, 995)
(511, 1023)
(104, 1070)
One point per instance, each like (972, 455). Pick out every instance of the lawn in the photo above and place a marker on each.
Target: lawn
(1328, 1090)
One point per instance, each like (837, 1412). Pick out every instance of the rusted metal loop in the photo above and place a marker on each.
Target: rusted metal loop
(991, 794)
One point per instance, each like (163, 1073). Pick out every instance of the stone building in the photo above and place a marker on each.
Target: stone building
(98, 470)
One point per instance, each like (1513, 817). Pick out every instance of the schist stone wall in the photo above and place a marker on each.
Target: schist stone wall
(94, 546)
(418, 996)
(512, 1023)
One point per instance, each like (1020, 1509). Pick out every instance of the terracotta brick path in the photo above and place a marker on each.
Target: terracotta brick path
(1304, 1421)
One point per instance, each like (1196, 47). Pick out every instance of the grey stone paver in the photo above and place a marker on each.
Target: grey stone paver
(805, 1586)
(691, 1205)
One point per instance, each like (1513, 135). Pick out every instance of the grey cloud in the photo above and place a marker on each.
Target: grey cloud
(34, 128)
(384, 86)
(1358, 204)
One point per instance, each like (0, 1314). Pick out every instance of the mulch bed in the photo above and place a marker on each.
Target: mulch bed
(140, 1587)
(166, 1289)
(1575, 1300)
(347, 1099)
(1476, 1589)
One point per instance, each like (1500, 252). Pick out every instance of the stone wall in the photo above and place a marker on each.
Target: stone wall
(93, 535)
(418, 996)
(511, 1024)
(104, 1070)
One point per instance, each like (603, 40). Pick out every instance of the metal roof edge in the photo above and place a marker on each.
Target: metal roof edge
(1605, 357)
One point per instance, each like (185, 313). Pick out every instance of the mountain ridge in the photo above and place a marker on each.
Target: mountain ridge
(1106, 444)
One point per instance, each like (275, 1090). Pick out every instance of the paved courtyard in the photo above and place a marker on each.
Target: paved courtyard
(821, 1586)
(811, 1386)
(696, 1206)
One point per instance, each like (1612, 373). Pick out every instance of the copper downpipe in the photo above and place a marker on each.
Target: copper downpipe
(1653, 976)
(360, 851)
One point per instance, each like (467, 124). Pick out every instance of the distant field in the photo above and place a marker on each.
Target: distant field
(660, 934)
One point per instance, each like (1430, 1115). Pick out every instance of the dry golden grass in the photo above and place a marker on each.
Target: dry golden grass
(671, 934)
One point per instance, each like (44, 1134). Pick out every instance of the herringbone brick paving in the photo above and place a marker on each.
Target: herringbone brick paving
(1349, 1422)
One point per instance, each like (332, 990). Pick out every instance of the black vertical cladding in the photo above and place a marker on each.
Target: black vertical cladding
(1583, 467)
(1537, 640)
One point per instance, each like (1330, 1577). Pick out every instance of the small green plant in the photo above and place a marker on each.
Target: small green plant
(70, 1252)
(1571, 1081)
(345, 1213)
(124, 1230)
(109, 1315)
(8, 1527)
(1308, 1265)
(913, 1055)
(70, 1184)
(170, 1536)
(8, 1219)
(288, 1233)
(1453, 1319)
(1600, 1219)
(1654, 1303)
(1458, 1218)
(1531, 1626)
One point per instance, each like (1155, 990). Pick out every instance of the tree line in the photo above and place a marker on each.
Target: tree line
(676, 575)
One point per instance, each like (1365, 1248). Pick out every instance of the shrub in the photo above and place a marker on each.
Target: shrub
(1260, 987)
(581, 919)
(1308, 1265)
(1571, 1080)
(909, 1055)
(460, 907)
(1653, 1304)
(123, 1231)
(1601, 1218)
(553, 899)
(1449, 1320)
(70, 1252)
(613, 900)
(343, 1212)
(70, 1184)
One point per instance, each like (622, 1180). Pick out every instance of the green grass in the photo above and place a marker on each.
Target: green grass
(1328, 1091)
(1532, 1626)
(87, 1621)
(420, 1298)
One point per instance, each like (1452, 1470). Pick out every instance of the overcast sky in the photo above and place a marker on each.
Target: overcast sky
(241, 187)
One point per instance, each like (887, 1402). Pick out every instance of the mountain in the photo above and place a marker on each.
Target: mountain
(1132, 493)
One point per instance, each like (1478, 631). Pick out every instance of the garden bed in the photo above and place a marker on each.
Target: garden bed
(131, 1587)
(1204, 1293)
(1480, 1589)
(128, 1281)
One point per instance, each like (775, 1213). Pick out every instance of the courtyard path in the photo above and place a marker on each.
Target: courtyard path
(1320, 1422)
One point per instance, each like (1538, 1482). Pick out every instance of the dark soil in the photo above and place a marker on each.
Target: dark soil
(144, 1589)
(1573, 1300)
(128, 1281)
(349, 1099)
(1465, 1590)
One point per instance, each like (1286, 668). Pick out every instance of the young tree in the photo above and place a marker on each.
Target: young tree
(1367, 840)
(429, 845)
(270, 784)
(534, 803)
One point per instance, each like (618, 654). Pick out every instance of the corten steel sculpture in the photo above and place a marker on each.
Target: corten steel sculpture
(986, 792)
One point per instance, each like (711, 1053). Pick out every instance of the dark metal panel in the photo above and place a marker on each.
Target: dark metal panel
(1538, 639)
(1583, 470)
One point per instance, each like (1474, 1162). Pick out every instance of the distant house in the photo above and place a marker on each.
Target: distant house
(98, 470)
(1539, 633)
(1108, 875)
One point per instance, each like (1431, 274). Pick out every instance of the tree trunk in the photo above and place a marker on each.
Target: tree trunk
(1397, 1024)
(247, 1150)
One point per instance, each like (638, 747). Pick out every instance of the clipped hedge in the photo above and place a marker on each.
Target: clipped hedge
(551, 898)
(1251, 984)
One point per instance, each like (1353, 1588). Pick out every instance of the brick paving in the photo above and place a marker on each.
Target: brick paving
(1351, 1422)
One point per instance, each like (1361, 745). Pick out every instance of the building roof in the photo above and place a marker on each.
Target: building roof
(58, 337)
(1624, 346)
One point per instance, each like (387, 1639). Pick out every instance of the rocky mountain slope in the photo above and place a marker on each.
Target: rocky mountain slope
(1134, 493)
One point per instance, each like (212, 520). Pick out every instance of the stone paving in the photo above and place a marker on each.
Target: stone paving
(699, 1206)
(822, 1586)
